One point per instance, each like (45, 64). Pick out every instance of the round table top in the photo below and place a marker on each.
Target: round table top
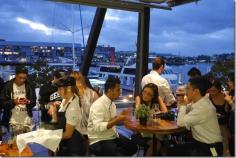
(159, 127)
(5, 150)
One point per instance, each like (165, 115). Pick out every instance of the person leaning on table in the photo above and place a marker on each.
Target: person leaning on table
(149, 96)
(69, 119)
(201, 119)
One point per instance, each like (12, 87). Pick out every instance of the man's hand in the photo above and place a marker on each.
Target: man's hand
(126, 111)
(56, 103)
(120, 118)
(229, 99)
(182, 100)
(52, 110)
(22, 101)
(116, 120)
(17, 101)
(26, 101)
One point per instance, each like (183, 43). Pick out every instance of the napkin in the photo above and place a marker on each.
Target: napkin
(47, 138)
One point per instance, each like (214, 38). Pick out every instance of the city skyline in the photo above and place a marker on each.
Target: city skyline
(192, 29)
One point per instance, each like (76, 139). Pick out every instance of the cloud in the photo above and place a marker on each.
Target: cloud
(112, 18)
(41, 27)
(223, 34)
(192, 29)
(185, 43)
(35, 26)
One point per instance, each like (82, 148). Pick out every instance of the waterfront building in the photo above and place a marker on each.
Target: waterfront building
(31, 51)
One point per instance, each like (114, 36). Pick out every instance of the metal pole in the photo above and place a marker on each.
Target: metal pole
(92, 40)
(142, 48)
(81, 23)
(73, 37)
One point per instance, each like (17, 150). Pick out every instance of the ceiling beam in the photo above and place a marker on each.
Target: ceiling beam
(129, 5)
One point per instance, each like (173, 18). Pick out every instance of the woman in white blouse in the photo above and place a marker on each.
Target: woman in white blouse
(69, 118)
(150, 97)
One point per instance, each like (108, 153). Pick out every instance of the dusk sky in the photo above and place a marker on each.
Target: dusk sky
(192, 29)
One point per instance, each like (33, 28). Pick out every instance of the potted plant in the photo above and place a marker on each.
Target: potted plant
(142, 114)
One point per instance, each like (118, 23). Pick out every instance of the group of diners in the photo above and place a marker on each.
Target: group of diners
(89, 119)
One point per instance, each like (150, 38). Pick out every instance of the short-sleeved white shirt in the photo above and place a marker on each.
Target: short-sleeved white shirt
(73, 112)
(19, 112)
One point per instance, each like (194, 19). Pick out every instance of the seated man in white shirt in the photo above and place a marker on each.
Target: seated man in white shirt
(201, 119)
(103, 137)
(163, 86)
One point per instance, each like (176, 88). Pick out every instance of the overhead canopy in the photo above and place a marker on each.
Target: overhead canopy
(132, 5)
(143, 8)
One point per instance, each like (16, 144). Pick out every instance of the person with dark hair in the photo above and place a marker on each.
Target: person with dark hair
(103, 137)
(18, 99)
(194, 72)
(217, 98)
(21, 70)
(156, 78)
(1, 83)
(150, 97)
(230, 99)
(69, 118)
(58, 74)
(201, 120)
(47, 90)
(1, 87)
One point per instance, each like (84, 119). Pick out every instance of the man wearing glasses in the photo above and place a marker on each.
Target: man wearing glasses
(18, 98)
(201, 119)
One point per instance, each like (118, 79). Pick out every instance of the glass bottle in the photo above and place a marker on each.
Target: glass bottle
(11, 136)
(155, 109)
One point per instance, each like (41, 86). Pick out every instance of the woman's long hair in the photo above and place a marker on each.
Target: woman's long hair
(79, 77)
(231, 77)
(155, 94)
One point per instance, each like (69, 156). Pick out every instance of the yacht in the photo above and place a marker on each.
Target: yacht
(126, 73)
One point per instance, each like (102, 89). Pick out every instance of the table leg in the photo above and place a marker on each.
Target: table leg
(1, 133)
(154, 145)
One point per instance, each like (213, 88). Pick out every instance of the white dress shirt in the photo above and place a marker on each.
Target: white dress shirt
(101, 111)
(201, 120)
(163, 86)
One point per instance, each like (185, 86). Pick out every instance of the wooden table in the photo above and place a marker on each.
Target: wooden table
(159, 127)
(5, 150)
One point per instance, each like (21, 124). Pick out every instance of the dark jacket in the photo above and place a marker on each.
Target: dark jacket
(45, 91)
(1, 87)
(6, 100)
(44, 98)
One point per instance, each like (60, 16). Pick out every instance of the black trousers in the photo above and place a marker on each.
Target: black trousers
(121, 146)
(195, 148)
(75, 146)
(232, 145)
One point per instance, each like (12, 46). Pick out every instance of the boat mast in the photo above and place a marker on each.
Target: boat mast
(73, 37)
